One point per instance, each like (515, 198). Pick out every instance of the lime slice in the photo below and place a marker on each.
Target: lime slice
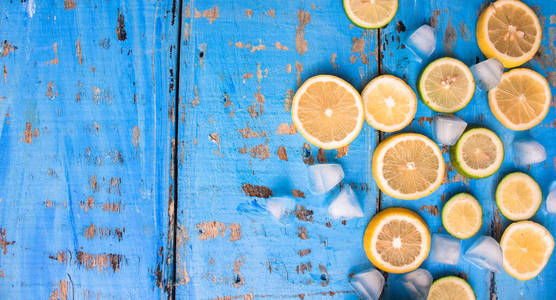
(451, 287)
(446, 85)
(478, 153)
(518, 196)
(462, 216)
(370, 13)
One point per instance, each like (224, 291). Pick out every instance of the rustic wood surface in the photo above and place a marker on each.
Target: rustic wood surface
(130, 131)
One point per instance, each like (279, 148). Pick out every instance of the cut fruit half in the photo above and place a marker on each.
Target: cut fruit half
(510, 31)
(462, 216)
(408, 166)
(521, 100)
(390, 104)
(478, 153)
(518, 196)
(446, 85)
(397, 240)
(452, 288)
(327, 111)
(526, 248)
(370, 13)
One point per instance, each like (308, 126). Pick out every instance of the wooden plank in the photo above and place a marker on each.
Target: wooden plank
(241, 63)
(455, 29)
(87, 106)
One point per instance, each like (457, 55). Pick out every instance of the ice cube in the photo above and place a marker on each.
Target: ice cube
(448, 129)
(551, 199)
(488, 73)
(368, 284)
(323, 177)
(485, 253)
(281, 208)
(417, 283)
(422, 43)
(345, 205)
(445, 249)
(528, 151)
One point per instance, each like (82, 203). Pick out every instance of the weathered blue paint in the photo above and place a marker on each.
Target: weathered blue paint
(85, 148)
(95, 120)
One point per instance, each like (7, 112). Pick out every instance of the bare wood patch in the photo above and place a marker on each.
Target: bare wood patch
(259, 191)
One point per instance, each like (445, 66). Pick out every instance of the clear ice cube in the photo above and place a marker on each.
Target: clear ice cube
(485, 253)
(345, 205)
(417, 283)
(488, 73)
(445, 249)
(368, 284)
(422, 43)
(323, 177)
(551, 199)
(448, 129)
(280, 208)
(528, 151)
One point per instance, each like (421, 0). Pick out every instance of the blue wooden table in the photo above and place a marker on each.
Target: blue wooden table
(130, 131)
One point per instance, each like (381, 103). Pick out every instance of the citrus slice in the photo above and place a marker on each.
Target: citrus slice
(397, 240)
(510, 31)
(452, 288)
(327, 111)
(478, 153)
(390, 104)
(370, 13)
(446, 85)
(462, 216)
(408, 166)
(521, 100)
(526, 248)
(518, 196)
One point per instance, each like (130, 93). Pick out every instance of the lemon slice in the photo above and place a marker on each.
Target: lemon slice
(327, 111)
(518, 196)
(526, 248)
(462, 216)
(446, 85)
(452, 288)
(408, 166)
(510, 31)
(521, 100)
(370, 13)
(478, 153)
(397, 240)
(390, 104)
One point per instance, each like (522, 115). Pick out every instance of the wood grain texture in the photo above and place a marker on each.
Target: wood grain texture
(86, 99)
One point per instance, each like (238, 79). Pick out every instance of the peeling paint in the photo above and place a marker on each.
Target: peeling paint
(431, 209)
(450, 37)
(302, 233)
(282, 154)
(7, 48)
(341, 152)
(304, 252)
(100, 262)
(260, 151)
(30, 133)
(235, 232)
(215, 139)
(298, 69)
(3, 242)
(333, 61)
(303, 214)
(288, 100)
(195, 101)
(69, 4)
(281, 47)
(238, 281)
(55, 60)
(358, 46)
(78, 53)
(248, 13)
(304, 18)
(286, 129)
(209, 14)
(248, 133)
(136, 137)
(120, 30)
(298, 194)
(61, 292)
(51, 93)
(434, 18)
(321, 156)
(421, 121)
(259, 191)
(211, 230)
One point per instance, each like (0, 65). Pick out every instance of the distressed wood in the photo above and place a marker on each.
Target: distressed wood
(86, 102)
(240, 69)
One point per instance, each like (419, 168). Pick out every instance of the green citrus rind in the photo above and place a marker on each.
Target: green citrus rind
(456, 150)
(451, 278)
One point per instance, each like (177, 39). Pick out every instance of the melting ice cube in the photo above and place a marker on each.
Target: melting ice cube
(418, 283)
(485, 253)
(345, 205)
(448, 129)
(528, 151)
(488, 73)
(323, 177)
(280, 208)
(445, 249)
(551, 199)
(422, 43)
(368, 284)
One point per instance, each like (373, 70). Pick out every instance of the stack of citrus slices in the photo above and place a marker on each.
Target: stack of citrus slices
(330, 113)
